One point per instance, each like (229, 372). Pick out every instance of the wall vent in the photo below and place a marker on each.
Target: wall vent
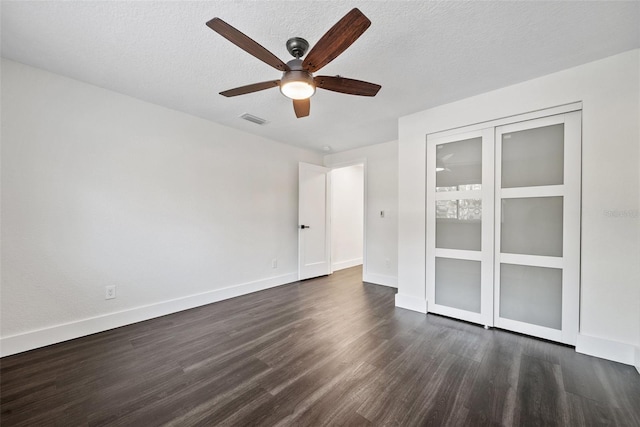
(253, 119)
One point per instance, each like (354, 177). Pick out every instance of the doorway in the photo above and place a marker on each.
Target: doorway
(347, 216)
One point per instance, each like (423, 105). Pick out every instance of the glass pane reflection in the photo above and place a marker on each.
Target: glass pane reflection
(459, 224)
(531, 294)
(533, 157)
(532, 226)
(459, 165)
(458, 284)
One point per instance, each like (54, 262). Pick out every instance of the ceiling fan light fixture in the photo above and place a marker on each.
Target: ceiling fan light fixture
(297, 85)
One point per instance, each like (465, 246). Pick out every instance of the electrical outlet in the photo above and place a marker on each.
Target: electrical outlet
(110, 292)
(274, 263)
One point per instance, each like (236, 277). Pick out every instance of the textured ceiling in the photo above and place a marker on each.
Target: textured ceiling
(422, 53)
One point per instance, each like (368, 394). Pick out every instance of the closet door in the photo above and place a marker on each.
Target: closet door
(460, 231)
(537, 227)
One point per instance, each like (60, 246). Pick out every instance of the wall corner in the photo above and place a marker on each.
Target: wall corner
(607, 349)
(411, 303)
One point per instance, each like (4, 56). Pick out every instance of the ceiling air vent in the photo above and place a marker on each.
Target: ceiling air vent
(253, 119)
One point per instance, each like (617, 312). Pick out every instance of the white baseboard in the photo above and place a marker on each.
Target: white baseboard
(607, 349)
(411, 303)
(380, 279)
(346, 264)
(638, 359)
(55, 334)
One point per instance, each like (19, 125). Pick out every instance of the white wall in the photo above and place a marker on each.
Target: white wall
(610, 271)
(637, 356)
(381, 193)
(102, 189)
(347, 216)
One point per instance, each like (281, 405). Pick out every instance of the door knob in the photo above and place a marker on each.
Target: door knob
(304, 226)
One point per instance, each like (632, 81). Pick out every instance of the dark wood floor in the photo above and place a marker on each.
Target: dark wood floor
(328, 351)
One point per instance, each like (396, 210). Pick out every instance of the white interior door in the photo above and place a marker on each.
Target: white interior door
(460, 225)
(314, 237)
(537, 261)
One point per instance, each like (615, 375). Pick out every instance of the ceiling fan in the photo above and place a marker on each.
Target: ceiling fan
(298, 82)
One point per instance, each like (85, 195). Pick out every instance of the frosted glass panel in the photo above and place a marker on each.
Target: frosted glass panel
(458, 224)
(532, 226)
(533, 157)
(531, 295)
(459, 165)
(458, 284)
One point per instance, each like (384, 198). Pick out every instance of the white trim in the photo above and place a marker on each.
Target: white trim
(380, 279)
(540, 191)
(328, 223)
(533, 260)
(508, 120)
(607, 349)
(346, 264)
(572, 226)
(458, 313)
(458, 195)
(340, 165)
(411, 303)
(528, 328)
(67, 331)
(638, 359)
(458, 254)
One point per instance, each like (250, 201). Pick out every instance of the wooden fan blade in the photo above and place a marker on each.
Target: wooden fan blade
(336, 40)
(302, 107)
(245, 43)
(250, 88)
(348, 86)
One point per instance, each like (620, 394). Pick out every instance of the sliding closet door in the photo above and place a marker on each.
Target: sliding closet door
(537, 227)
(460, 231)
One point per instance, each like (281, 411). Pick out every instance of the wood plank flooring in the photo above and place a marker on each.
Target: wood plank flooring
(327, 351)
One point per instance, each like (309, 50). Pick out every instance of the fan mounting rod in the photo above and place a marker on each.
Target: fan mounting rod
(297, 47)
